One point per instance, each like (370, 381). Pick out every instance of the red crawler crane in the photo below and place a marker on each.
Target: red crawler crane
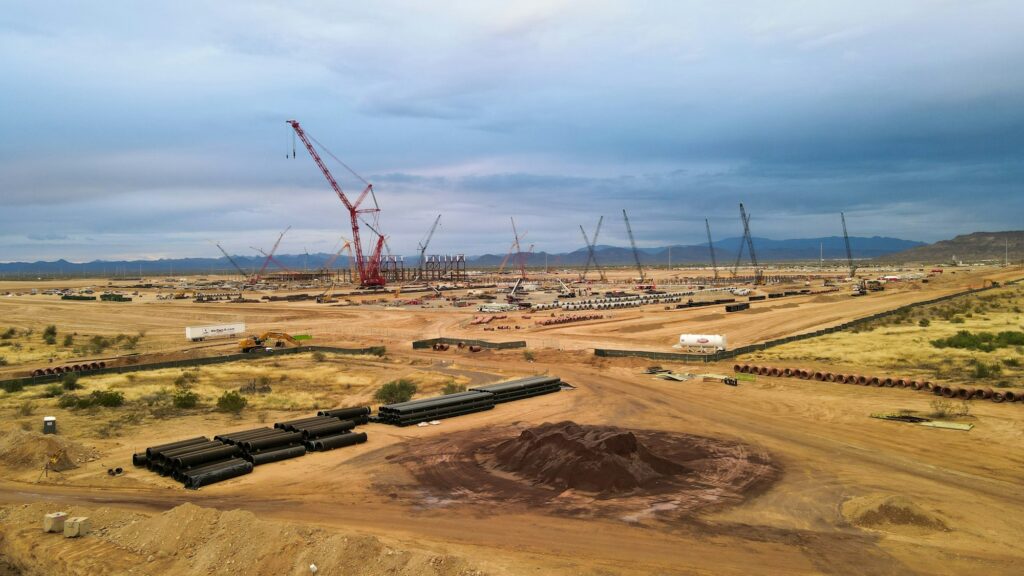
(369, 268)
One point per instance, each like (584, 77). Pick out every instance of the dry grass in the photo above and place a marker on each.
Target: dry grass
(903, 346)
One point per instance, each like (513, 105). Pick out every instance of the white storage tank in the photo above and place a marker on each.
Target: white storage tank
(198, 333)
(702, 342)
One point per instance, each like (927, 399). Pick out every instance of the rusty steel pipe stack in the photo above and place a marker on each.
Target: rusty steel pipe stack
(947, 391)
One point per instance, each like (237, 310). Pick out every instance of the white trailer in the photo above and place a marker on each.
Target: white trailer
(703, 343)
(200, 333)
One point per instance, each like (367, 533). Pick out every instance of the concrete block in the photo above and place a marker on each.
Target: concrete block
(77, 526)
(54, 521)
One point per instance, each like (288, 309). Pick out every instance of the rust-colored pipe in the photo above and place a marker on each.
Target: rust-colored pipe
(806, 374)
(737, 368)
(998, 397)
(927, 385)
(983, 393)
(862, 380)
(937, 390)
(103, 364)
(965, 393)
(901, 382)
(1011, 396)
(819, 376)
(888, 382)
(764, 370)
(829, 377)
(949, 392)
(914, 384)
(874, 381)
(773, 371)
(852, 378)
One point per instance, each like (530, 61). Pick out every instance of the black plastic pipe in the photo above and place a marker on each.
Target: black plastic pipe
(346, 413)
(272, 441)
(232, 469)
(193, 458)
(327, 429)
(275, 455)
(153, 449)
(337, 441)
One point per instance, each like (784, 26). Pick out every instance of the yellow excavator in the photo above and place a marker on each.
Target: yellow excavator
(260, 342)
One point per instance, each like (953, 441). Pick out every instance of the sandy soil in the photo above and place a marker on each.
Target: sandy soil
(856, 495)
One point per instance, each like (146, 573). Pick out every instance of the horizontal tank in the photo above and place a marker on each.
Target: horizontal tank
(702, 341)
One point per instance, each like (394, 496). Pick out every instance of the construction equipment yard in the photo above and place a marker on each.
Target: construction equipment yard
(617, 472)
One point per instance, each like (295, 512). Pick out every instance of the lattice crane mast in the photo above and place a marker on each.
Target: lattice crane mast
(425, 243)
(369, 268)
(849, 253)
(711, 246)
(632, 242)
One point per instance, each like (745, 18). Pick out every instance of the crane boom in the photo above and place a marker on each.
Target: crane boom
(519, 251)
(369, 269)
(746, 234)
(232, 260)
(592, 250)
(711, 246)
(849, 253)
(270, 256)
(425, 243)
(632, 241)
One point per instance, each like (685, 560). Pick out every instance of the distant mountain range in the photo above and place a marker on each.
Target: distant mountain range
(831, 248)
(975, 247)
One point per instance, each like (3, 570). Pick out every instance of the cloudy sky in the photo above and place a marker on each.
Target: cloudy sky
(146, 130)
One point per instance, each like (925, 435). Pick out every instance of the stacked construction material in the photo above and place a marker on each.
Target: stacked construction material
(997, 396)
(522, 388)
(737, 307)
(200, 461)
(416, 411)
(195, 462)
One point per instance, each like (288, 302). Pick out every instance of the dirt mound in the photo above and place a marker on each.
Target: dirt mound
(890, 512)
(583, 471)
(591, 458)
(190, 539)
(21, 450)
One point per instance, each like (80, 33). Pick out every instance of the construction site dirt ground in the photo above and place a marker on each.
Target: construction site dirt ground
(850, 495)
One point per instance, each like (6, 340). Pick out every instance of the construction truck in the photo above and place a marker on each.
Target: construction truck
(261, 342)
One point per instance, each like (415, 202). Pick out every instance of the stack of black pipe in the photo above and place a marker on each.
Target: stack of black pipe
(416, 411)
(265, 445)
(328, 430)
(194, 462)
(522, 388)
(200, 461)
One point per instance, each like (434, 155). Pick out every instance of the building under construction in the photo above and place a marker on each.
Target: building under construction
(434, 267)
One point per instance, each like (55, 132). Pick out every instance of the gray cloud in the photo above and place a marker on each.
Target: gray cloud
(151, 132)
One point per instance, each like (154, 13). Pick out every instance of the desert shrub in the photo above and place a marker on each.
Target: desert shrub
(3, 361)
(319, 356)
(50, 334)
(107, 398)
(396, 391)
(185, 399)
(53, 391)
(72, 401)
(231, 401)
(528, 356)
(26, 408)
(956, 320)
(9, 333)
(984, 341)
(1011, 362)
(944, 408)
(186, 379)
(924, 322)
(69, 340)
(69, 381)
(453, 388)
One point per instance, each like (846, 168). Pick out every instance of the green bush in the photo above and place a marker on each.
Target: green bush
(107, 398)
(186, 399)
(69, 381)
(9, 333)
(3, 361)
(528, 356)
(231, 401)
(53, 391)
(69, 340)
(956, 320)
(984, 341)
(396, 391)
(26, 408)
(104, 398)
(453, 388)
(319, 356)
(924, 323)
(1012, 362)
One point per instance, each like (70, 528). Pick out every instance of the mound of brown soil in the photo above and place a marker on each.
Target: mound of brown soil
(889, 512)
(591, 458)
(23, 450)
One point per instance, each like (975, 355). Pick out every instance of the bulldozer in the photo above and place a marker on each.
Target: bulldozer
(262, 341)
